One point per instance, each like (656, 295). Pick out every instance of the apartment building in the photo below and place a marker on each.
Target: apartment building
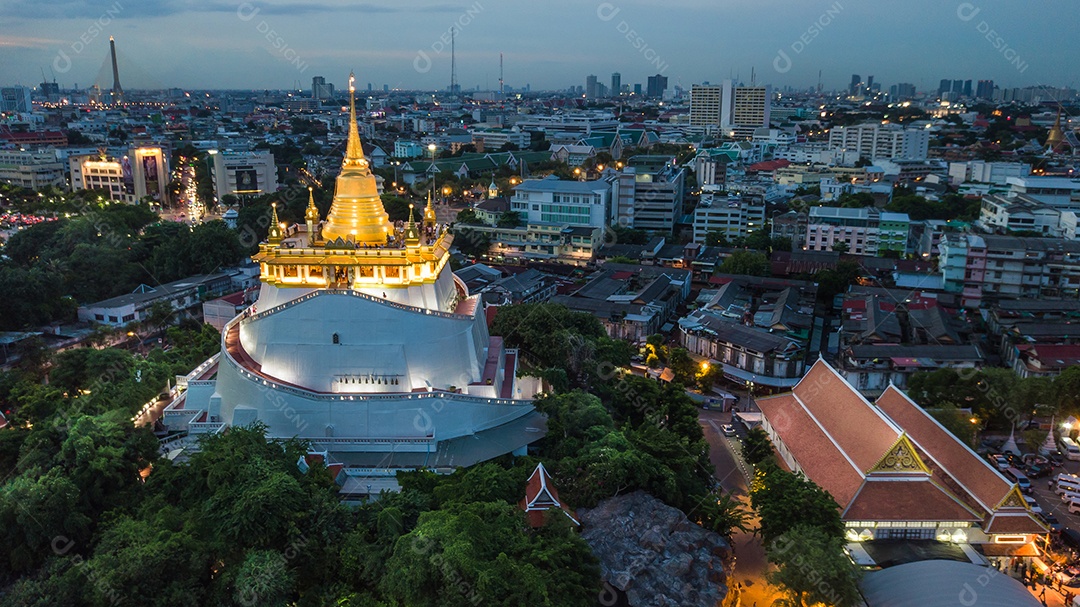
(864, 231)
(994, 267)
(731, 216)
(876, 140)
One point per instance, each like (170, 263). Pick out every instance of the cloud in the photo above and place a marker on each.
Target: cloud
(131, 9)
(27, 42)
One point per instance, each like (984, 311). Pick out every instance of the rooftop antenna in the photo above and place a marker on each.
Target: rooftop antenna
(500, 73)
(753, 78)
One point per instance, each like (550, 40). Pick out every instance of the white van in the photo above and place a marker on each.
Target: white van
(1067, 485)
(1070, 494)
(1066, 475)
(1074, 505)
(1069, 448)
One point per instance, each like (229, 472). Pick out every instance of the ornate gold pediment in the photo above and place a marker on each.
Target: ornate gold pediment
(901, 457)
(1013, 499)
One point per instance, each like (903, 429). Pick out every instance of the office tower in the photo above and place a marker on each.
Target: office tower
(656, 86)
(386, 88)
(591, 89)
(637, 89)
(853, 87)
(870, 84)
(117, 92)
(15, 99)
(750, 109)
(943, 87)
(902, 90)
(616, 84)
(985, 89)
(967, 88)
(705, 103)
(320, 89)
(958, 87)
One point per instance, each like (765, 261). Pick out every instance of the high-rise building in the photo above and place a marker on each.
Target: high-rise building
(616, 84)
(50, 90)
(656, 86)
(705, 103)
(650, 199)
(364, 345)
(142, 172)
(876, 140)
(870, 83)
(902, 91)
(854, 86)
(321, 90)
(244, 173)
(637, 89)
(967, 88)
(985, 89)
(943, 87)
(592, 91)
(958, 87)
(750, 106)
(15, 99)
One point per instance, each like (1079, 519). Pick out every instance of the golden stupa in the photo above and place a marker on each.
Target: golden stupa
(1056, 137)
(357, 214)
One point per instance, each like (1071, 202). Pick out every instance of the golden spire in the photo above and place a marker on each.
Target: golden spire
(354, 152)
(312, 213)
(412, 235)
(275, 233)
(357, 213)
(429, 213)
(1056, 136)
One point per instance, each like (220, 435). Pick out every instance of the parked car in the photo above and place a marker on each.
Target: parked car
(1034, 471)
(728, 430)
(1071, 538)
(1033, 505)
(1056, 459)
(999, 461)
(1051, 522)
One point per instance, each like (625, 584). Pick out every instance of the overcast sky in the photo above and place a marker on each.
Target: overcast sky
(550, 44)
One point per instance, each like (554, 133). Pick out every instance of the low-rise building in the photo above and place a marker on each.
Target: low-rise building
(34, 170)
(631, 301)
(864, 231)
(133, 307)
(895, 472)
(996, 267)
(730, 217)
(649, 198)
(1022, 213)
(757, 329)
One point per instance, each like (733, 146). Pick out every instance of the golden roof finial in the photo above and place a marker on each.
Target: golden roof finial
(354, 152)
(312, 213)
(412, 235)
(275, 234)
(429, 213)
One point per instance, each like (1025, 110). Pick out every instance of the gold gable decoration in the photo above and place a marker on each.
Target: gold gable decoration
(901, 457)
(1013, 499)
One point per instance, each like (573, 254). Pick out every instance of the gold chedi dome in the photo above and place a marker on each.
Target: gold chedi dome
(357, 213)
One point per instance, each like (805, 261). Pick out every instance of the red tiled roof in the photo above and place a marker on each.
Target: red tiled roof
(541, 496)
(1020, 523)
(906, 500)
(973, 473)
(817, 455)
(489, 314)
(854, 425)
(769, 165)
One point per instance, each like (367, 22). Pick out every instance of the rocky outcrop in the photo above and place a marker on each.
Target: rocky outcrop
(654, 555)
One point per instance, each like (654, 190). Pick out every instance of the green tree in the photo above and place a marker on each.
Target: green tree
(840, 247)
(757, 447)
(509, 219)
(785, 500)
(723, 514)
(748, 263)
(812, 568)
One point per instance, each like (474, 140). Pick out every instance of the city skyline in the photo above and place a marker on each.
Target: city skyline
(210, 45)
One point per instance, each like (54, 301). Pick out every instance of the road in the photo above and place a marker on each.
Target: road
(734, 477)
